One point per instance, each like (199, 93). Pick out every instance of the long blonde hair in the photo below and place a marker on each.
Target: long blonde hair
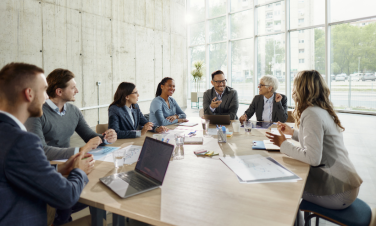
(311, 89)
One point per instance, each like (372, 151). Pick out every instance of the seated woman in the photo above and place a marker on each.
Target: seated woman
(268, 105)
(332, 182)
(164, 110)
(125, 116)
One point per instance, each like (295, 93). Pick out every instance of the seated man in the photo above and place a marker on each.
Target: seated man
(221, 99)
(268, 105)
(27, 180)
(60, 119)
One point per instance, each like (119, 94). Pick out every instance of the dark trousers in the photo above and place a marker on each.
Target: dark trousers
(64, 216)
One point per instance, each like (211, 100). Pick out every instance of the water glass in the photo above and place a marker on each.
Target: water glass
(118, 156)
(205, 124)
(179, 139)
(178, 153)
(236, 127)
(248, 126)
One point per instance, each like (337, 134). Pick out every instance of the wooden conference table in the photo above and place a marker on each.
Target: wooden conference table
(203, 190)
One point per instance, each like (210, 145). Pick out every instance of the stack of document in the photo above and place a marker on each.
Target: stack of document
(259, 169)
(265, 145)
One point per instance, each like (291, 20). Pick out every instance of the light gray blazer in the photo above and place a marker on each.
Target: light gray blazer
(322, 147)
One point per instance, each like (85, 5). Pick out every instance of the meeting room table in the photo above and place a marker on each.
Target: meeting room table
(203, 190)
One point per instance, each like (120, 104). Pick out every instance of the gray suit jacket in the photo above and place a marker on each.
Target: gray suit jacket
(229, 105)
(279, 109)
(322, 146)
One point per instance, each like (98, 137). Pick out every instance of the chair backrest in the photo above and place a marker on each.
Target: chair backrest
(201, 113)
(101, 128)
(290, 118)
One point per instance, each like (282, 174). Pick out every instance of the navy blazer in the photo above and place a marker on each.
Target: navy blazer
(27, 180)
(120, 121)
(279, 108)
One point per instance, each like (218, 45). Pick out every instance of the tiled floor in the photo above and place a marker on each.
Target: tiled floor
(358, 136)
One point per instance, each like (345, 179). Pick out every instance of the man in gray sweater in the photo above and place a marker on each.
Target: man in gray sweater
(61, 119)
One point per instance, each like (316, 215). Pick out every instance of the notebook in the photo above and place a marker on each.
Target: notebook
(193, 140)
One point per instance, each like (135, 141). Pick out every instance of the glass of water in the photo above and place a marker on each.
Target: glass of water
(179, 139)
(205, 124)
(118, 156)
(247, 126)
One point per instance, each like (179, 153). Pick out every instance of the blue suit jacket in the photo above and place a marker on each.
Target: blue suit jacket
(28, 181)
(120, 121)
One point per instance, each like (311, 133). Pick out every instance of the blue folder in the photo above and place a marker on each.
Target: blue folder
(258, 145)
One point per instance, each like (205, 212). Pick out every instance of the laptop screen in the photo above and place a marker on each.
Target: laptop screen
(154, 159)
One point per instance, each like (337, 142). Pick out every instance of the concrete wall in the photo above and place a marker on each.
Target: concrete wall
(111, 41)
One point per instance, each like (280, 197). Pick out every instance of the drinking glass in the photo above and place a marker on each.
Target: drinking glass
(118, 156)
(248, 126)
(236, 127)
(205, 124)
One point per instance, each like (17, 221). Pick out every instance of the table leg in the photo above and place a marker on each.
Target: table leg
(118, 220)
(97, 216)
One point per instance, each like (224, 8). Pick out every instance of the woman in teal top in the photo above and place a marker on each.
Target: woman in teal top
(164, 110)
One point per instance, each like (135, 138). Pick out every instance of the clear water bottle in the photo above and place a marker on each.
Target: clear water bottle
(178, 153)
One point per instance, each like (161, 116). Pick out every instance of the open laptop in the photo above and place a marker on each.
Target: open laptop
(218, 119)
(149, 173)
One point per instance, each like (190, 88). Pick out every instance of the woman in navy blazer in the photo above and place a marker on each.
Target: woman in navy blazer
(125, 116)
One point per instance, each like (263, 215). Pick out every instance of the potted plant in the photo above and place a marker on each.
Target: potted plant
(197, 74)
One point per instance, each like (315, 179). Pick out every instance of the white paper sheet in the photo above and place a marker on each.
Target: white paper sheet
(131, 154)
(255, 167)
(270, 146)
(276, 132)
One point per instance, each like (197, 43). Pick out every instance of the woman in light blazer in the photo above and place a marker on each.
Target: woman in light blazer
(332, 182)
(125, 116)
(164, 110)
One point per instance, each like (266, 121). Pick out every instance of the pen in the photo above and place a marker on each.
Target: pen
(167, 140)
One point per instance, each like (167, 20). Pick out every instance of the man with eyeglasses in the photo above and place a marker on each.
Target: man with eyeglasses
(221, 99)
(269, 106)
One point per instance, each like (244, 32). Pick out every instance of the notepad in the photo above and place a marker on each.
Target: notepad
(193, 140)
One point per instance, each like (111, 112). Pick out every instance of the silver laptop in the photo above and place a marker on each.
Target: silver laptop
(149, 173)
(219, 119)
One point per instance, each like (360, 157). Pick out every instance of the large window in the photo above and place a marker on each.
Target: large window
(271, 58)
(353, 65)
(248, 39)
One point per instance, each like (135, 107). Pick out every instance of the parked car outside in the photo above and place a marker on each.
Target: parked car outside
(368, 76)
(355, 76)
(333, 77)
(341, 77)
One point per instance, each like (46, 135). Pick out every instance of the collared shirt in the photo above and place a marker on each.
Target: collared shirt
(268, 109)
(22, 127)
(56, 108)
(129, 110)
(219, 97)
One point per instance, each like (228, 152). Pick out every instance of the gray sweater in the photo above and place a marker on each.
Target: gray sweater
(322, 147)
(55, 130)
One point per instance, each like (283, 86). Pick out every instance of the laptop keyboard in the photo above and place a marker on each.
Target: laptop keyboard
(137, 181)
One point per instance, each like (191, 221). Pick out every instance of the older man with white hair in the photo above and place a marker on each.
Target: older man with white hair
(268, 105)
